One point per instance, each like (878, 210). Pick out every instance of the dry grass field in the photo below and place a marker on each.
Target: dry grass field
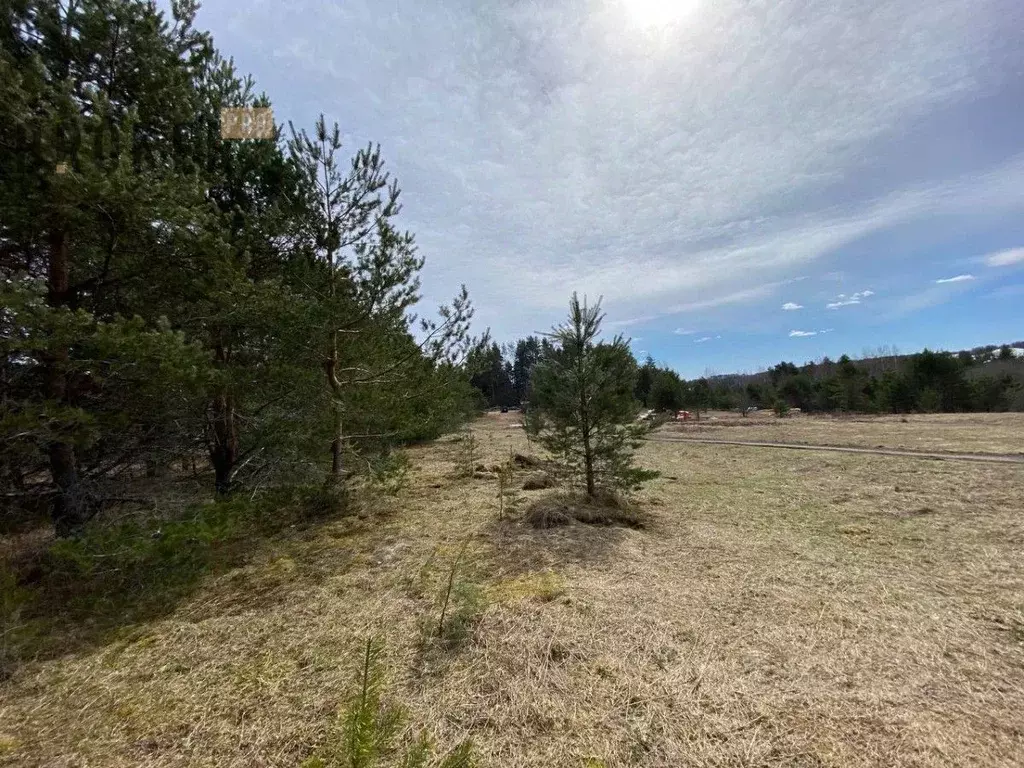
(779, 609)
(943, 432)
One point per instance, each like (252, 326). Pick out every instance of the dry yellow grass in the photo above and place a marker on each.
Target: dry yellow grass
(782, 609)
(947, 432)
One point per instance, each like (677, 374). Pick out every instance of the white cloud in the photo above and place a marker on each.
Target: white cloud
(802, 334)
(702, 339)
(1005, 258)
(736, 297)
(842, 300)
(789, 306)
(683, 332)
(556, 143)
(956, 279)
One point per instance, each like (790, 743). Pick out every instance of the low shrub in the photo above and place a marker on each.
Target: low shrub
(538, 481)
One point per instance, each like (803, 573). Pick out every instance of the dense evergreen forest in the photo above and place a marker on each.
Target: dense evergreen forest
(983, 379)
(170, 296)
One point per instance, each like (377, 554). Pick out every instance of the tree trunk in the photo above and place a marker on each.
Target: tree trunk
(70, 508)
(337, 448)
(588, 464)
(337, 476)
(224, 452)
(588, 454)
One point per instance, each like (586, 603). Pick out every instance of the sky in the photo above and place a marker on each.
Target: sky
(740, 181)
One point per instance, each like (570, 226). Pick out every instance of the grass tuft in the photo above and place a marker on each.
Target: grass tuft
(542, 586)
(561, 509)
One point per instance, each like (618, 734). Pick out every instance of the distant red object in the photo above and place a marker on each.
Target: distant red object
(683, 416)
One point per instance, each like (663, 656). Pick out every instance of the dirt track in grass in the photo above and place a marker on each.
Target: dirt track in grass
(986, 433)
(988, 457)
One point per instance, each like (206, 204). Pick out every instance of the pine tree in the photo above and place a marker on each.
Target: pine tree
(250, 310)
(645, 380)
(90, 196)
(368, 281)
(527, 355)
(368, 732)
(350, 209)
(666, 392)
(583, 401)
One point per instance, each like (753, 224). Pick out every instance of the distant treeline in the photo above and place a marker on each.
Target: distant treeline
(503, 372)
(983, 379)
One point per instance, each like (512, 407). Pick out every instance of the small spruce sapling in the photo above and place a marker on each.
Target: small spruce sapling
(370, 726)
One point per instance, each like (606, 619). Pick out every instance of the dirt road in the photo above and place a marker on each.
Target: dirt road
(989, 457)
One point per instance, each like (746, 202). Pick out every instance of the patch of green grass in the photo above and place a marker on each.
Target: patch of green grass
(90, 588)
(543, 586)
(16, 633)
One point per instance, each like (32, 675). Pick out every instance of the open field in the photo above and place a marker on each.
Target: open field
(781, 608)
(1001, 433)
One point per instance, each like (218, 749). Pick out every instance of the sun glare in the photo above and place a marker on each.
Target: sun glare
(656, 13)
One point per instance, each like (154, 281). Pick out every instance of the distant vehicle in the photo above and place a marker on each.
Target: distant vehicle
(504, 409)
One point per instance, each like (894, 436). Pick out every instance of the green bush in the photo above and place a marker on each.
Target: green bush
(389, 474)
